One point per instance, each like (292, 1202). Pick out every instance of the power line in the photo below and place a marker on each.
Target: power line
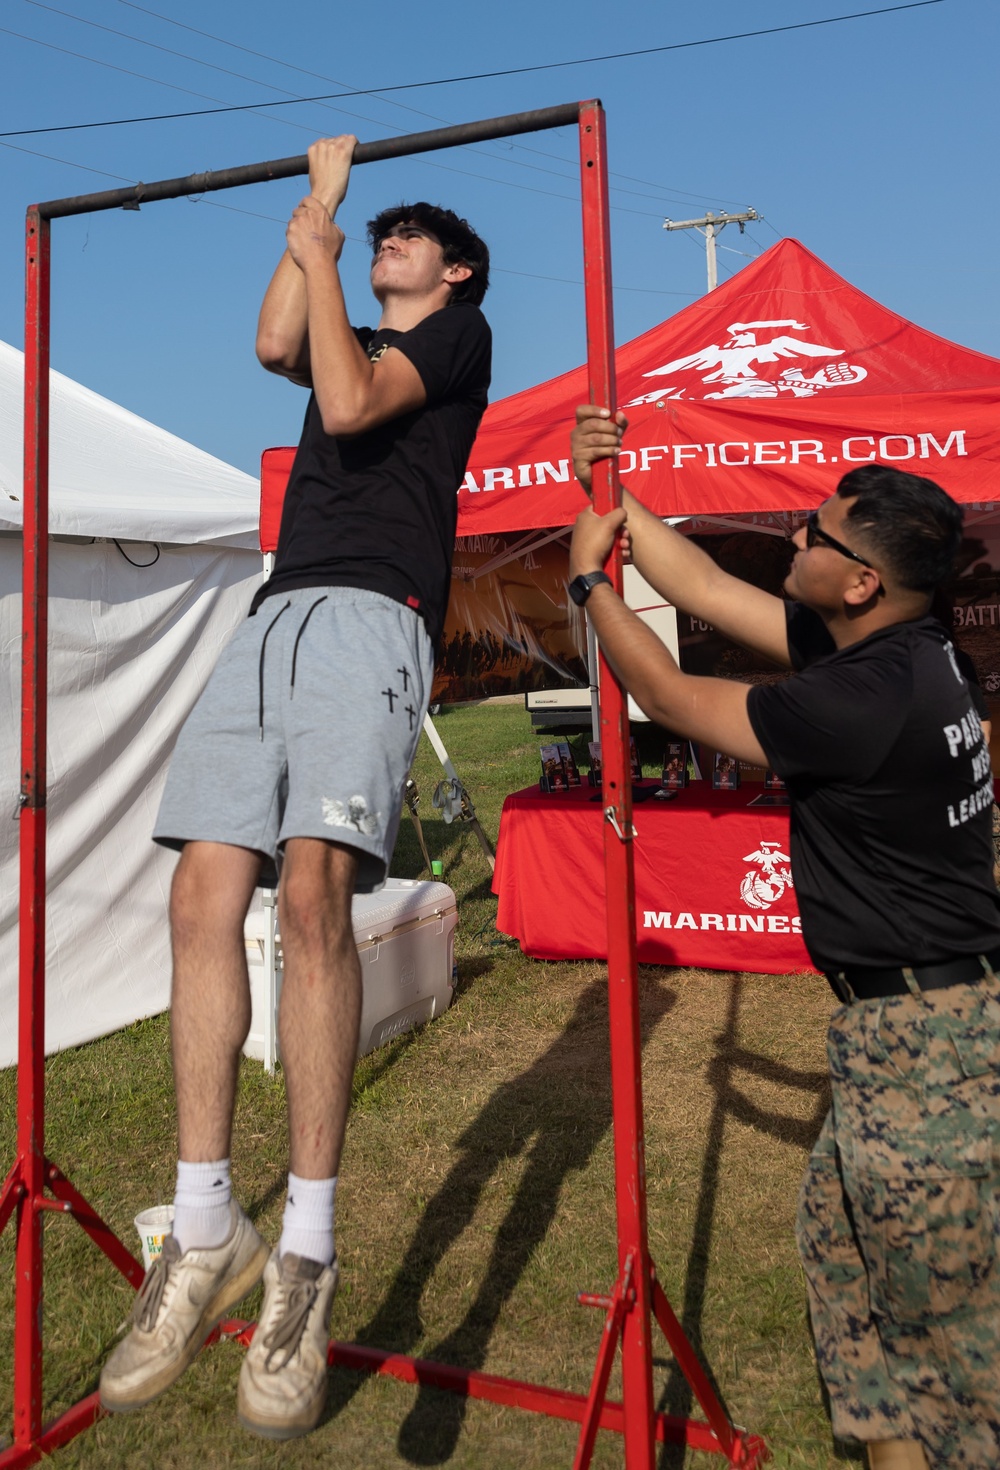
(155, 46)
(664, 191)
(468, 77)
(263, 56)
(302, 127)
(566, 281)
(67, 162)
(140, 76)
(356, 239)
(573, 198)
(196, 61)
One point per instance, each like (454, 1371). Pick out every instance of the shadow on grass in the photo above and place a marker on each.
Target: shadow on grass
(729, 1102)
(471, 969)
(445, 841)
(557, 1112)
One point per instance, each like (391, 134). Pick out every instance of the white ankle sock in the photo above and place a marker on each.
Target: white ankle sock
(201, 1205)
(307, 1224)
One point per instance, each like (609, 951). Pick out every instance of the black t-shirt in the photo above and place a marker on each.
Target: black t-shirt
(379, 510)
(809, 639)
(891, 790)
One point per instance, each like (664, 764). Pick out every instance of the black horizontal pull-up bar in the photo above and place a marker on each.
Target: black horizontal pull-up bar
(287, 168)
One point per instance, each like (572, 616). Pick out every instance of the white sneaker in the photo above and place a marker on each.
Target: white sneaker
(179, 1303)
(284, 1375)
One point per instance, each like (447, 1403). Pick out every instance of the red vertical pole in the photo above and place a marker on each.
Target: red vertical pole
(31, 984)
(623, 989)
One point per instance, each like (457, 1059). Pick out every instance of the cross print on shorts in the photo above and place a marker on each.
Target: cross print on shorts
(391, 695)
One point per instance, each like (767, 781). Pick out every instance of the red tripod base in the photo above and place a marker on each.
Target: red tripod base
(592, 1411)
(31, 1441)
(75, 1420)
(746, 1452)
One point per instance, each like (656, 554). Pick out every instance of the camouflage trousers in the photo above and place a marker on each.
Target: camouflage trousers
(898, 1224)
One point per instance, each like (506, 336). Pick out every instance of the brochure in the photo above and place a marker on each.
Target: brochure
(725, 773)
(675, 766)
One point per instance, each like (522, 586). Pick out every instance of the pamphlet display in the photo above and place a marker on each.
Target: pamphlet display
(569, 763)
(675, 766)
(774, 793)
(553, 775)
(594, 774)
(725, 772)
(559, 769)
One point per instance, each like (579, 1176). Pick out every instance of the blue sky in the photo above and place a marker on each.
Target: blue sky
(871, 141)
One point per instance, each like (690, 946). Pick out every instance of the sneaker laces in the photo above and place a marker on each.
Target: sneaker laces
(290, 1325)
(149, 1299)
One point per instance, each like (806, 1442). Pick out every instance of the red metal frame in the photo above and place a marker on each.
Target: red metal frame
(637, 1296)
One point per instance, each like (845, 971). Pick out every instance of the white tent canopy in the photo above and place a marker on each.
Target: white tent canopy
(133, 633)
(114, 474)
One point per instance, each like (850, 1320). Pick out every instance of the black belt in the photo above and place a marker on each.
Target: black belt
(862, 982)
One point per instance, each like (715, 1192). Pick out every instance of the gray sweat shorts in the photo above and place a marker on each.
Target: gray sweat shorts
(306, 728)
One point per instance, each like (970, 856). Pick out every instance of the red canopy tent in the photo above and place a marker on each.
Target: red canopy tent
(756, 397)
(753, 398)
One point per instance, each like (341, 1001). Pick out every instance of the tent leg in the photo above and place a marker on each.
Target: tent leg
(269, 897)
(595, 699)
(412, 798)
(453, 797)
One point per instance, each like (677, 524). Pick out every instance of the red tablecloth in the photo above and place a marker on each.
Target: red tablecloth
(712, 879)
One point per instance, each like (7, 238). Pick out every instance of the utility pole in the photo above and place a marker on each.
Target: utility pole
(711, 225)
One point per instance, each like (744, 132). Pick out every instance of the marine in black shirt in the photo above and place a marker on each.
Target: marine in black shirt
(882, 749)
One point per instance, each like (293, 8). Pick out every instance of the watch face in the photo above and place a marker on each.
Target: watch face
(581, 587)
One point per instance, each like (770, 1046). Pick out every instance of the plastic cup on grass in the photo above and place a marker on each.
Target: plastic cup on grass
(153, 1224)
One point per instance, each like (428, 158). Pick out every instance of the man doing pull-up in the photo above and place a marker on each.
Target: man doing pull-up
(296, 754)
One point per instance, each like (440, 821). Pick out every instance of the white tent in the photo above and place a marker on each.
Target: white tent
(153, 564)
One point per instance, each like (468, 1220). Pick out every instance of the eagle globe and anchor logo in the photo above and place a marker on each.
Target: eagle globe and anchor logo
(732, 369)
(764, 885)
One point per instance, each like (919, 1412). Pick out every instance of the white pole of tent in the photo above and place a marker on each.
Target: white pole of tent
(452, 797)
(595, 698)
(270, 1002)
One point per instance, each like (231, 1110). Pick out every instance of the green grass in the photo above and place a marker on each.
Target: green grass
(476, 1196)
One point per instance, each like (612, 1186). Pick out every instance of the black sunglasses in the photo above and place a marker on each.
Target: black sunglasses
(815, 532)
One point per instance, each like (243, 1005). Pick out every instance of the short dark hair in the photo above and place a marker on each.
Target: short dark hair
(905, 523)
(461, 244)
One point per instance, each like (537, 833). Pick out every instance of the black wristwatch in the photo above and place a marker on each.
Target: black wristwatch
(581, 587)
